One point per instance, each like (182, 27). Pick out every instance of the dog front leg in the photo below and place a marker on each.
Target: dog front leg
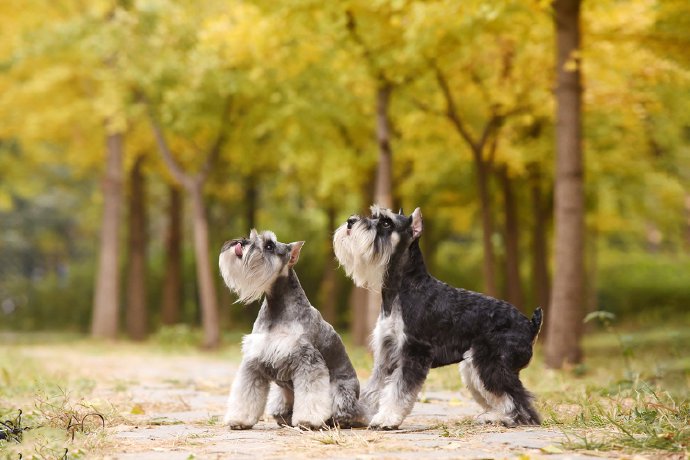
(247, 398)
(371, 392)
(311, 381)
(399, 394)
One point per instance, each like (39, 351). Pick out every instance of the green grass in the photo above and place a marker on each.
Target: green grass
(631, 395)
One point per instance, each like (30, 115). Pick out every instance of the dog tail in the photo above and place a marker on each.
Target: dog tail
(536, 322)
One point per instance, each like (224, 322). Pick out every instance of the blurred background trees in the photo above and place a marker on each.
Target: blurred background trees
(138, 135)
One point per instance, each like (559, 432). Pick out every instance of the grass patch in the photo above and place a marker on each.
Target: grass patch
(636, 420)
(632, 395)
(57, 425)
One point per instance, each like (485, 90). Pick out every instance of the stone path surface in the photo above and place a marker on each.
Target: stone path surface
(172, 407)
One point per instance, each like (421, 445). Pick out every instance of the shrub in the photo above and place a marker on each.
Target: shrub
(648, 284)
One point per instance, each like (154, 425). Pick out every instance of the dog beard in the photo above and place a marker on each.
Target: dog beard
(363, 254)
(250, 276)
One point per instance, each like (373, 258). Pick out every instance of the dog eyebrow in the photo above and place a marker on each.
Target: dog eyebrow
(269, 236)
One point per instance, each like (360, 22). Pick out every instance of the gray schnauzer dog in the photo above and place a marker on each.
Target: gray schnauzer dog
(424, 323)
(291, 348)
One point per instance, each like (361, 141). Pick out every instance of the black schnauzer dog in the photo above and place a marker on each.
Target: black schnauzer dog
(425, 323)
(291, 348)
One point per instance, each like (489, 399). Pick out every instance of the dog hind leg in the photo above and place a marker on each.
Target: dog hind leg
(498, 405)
(498, 390)
(280, 403)
(347, 411)
(311, 380)
(471, 380)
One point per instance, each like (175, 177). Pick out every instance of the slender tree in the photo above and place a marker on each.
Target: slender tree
(106, 301)
(367, 311)
(193, 184)
(512, 240)
(136, 310)
(540, 270)
(483, 160)
(171, 300)
(328, 302)
(564, 323)
(687, 223)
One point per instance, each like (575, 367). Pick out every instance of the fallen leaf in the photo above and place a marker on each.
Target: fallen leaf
(137, 409)
(551, 450)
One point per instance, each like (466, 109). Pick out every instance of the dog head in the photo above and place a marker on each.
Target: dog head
(251, 265)
(364, 245)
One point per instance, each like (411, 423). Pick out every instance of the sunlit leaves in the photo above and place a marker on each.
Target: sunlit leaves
(302, 91)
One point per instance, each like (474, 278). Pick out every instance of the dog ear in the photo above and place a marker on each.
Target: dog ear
(253, 234)
(401, 213)
(417, 223)
(295, 249)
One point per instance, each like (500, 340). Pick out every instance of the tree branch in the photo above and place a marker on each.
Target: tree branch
(217, 145)
(351, 24)
(425, 108)
(451, 111)
(495, 120)
(480, 84)
(493, 148)
(346, 136)
(174, 167)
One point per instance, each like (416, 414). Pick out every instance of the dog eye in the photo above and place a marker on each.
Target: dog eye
(386, 223)
(269, 247)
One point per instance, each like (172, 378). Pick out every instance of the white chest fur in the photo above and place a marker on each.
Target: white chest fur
(270, 347)
(389, 334)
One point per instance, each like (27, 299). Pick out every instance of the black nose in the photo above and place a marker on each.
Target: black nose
(350, 222)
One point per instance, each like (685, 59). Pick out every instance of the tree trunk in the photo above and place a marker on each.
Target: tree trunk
(172, 282)
(592, 264)
(687, 223)
(429, 244)
(136, 311)
(207, 291)
(107, 296)
(359, 298)
(512, 237)
(328, 301)
(383, 196)
(564, 324)
(489, 260)
(540, 269)
(483, 167)
(251, 197)
(194, 187)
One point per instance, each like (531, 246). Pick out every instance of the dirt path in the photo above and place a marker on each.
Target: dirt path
(172, 405)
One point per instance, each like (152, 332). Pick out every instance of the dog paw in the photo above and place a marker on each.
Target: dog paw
(236, 422)
(283, 419)
(493, 418)
(239, 426)
(312, 419)
(384, 423)
(349, 423)
(376, 427)
(306, 425)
